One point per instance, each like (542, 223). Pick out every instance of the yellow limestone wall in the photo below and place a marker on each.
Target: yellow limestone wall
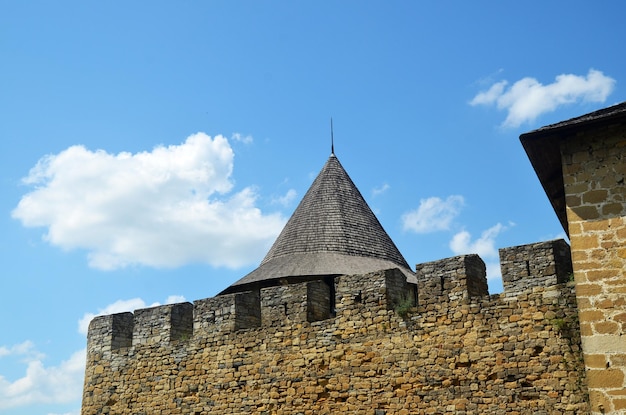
(594, 171)
(459, 351)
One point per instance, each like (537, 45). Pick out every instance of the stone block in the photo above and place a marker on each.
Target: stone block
(534, 265)
(606, 378)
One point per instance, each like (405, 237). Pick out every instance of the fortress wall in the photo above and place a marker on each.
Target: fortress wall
(472, 354)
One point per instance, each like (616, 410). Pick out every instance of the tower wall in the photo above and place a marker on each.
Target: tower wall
(594, 170)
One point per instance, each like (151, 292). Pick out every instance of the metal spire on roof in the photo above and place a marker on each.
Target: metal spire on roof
(332, 139)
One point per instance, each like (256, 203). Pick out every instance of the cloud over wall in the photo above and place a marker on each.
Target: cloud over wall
(527, 98)
(433, 214)
(162, 208)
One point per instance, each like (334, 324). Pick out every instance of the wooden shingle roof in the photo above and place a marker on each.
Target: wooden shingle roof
(332, 232)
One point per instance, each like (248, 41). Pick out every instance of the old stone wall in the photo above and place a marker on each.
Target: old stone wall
(459, 350)
(542, 263)
(594, 171)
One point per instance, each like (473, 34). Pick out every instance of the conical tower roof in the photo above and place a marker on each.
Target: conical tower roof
(332, 232)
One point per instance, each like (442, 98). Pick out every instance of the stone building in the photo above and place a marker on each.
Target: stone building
(334, 320)
(582, 167)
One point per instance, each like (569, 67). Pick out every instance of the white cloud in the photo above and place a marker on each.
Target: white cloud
(527, 98)
(163, 208)
(173, 299)
(41, 384)
(493, 274)
(491, 95)
(287, 199)
(380, 190)
(246, 139)
(484, 246)
(433, 214)
(26, 350)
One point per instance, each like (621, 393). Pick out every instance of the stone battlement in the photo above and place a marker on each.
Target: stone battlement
(447, 282)
(280, 305)
(359, 345)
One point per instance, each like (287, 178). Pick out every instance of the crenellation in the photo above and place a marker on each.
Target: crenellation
(110, 332)
(215, 314)
(398, 290)
(287, 347)
(284, 303)
(320, 305)
(532, 265)
(181, 321)
(475, 277)
(247, 310)
(451, 279)
(162, 324)
(380, 290)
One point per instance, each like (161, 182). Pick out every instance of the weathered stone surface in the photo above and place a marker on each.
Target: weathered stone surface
(459, 350)
(593, 165)
(581, 165)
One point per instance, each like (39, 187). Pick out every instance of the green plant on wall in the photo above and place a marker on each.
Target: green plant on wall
(566, 326)
(559, 324)
(404, 305)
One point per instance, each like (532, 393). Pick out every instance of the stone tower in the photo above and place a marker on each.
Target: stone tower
(581, 164)
(332, 232)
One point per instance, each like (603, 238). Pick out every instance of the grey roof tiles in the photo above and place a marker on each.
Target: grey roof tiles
(332, 232)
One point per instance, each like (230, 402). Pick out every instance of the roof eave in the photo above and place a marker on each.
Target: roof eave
(543, 148)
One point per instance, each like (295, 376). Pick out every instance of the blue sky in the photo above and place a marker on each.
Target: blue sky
(152, 151)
